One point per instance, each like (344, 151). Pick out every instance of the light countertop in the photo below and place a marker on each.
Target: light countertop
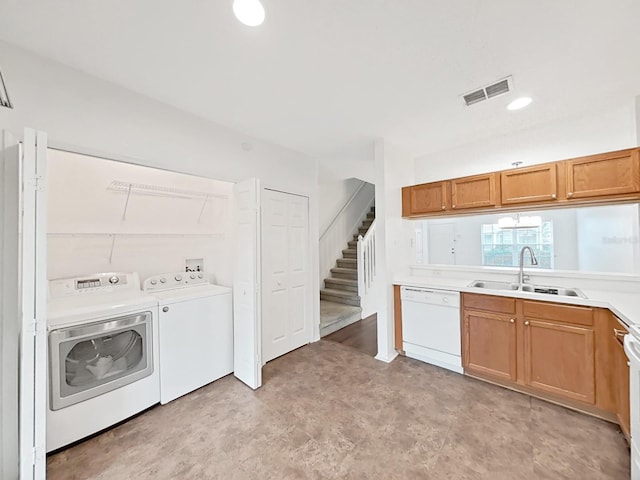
(624, 305)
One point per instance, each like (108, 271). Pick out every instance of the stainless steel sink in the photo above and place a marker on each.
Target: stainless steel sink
(559, 291)
(494, 285)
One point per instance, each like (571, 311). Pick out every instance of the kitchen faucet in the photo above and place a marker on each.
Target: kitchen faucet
(534, 261)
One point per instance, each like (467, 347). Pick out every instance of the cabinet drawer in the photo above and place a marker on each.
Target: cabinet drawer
(559, 312)
(489, 303)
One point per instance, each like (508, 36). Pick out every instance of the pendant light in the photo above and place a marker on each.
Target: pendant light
(249, 12)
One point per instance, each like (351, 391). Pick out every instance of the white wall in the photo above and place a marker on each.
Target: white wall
(155, 236)
(393, 170)
(608, 239)
(332, 196)
(78, 110)
(637, 119)
(604, 131)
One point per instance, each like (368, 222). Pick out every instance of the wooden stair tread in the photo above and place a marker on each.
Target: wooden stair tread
(343, 281)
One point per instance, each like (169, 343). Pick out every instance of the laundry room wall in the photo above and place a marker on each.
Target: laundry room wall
(83, 113)
(111, 216)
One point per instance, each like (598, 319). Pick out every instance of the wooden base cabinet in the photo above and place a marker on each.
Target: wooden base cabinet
(621, 377)
(490, 344)
(560, 359)
(568, 354)
(564, 353)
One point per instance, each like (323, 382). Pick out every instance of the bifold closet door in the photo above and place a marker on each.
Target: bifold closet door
(23, 303)
(247, 355)
(285, 273)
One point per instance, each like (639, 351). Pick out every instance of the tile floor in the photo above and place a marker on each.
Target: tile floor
(329, 411)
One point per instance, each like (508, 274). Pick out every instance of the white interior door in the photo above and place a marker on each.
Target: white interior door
(442, 243)
(285, 273)
(24, 306)
(247, 359)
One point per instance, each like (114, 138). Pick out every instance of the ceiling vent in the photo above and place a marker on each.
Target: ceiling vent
(489, 91)
(4, 95)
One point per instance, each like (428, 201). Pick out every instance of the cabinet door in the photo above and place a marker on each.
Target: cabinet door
(529, 185)
(614, 173)
(397, 311)
(473, 192)
(560, 359)
(489, 347)
(621, 378)
(425, 198)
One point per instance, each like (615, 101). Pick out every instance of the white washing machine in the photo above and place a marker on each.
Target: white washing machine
(103, 354)
(195, 331)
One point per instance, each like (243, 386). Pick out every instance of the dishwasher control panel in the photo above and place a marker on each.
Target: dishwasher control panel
(431, 296)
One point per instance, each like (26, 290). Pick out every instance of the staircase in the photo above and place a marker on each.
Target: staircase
(342, 286)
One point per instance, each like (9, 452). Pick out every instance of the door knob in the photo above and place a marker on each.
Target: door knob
(165, 309)
(526, 323)
(512, 320)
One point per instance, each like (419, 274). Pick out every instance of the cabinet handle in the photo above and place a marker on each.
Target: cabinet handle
(165, 309)
(569, 194)
(526, 323)
(512, 320)
(443, 207)
(453, 206)
(554, 196)
(619, 335)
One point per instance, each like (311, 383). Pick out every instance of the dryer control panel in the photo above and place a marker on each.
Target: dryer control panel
(94, 283)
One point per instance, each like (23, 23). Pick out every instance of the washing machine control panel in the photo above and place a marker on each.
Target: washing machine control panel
(169, 281)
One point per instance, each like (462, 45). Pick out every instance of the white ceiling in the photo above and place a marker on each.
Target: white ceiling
(328, 76)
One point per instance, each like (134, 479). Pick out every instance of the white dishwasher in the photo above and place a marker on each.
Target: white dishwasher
(431, 326)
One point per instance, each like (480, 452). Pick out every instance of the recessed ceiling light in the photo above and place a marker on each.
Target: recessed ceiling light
(249, 12)
(519, 103)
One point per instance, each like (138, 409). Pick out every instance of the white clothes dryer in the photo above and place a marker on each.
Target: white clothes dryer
(103, 354)
(195, 331)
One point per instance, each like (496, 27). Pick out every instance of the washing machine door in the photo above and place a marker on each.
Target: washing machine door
(92, 359)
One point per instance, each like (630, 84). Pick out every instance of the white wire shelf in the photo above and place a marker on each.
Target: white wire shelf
(161, 191)
(133, 235)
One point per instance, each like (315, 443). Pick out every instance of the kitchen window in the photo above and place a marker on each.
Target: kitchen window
(501, 246)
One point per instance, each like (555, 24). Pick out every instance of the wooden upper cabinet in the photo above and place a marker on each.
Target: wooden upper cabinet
(425, 198)
(529, 185)
(615, 173)
(473, 192)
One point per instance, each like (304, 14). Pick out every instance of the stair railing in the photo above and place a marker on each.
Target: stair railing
(367, 270)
